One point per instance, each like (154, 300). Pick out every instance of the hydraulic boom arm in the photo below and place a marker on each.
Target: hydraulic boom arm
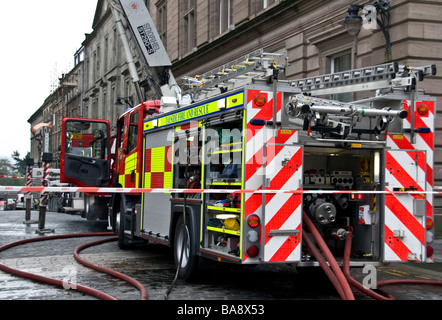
(141, 39)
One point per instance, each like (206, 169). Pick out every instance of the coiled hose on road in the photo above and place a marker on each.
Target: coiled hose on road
(341, 279)
(59, 283)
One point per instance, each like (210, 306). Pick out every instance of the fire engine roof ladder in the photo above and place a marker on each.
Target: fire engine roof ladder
(388, 75)
(255, 65)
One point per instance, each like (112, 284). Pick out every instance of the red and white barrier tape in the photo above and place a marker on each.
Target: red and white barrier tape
(192, 191)
(12, 177)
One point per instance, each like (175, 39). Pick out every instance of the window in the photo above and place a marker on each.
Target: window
(224, 8)
(162, 22)
(120, 132)
(94, 108)
(98, 63)
(189, 41)
(133, 130)
(105, 108)
(115, 46)
(341, 62)
(87, 139)
(106, 52)
(259, 5)
(93, 67)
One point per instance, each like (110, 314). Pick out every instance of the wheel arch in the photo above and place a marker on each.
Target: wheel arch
(192, 219)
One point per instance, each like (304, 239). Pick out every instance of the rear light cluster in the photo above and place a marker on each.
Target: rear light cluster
(252, 251)
(430, 251)
(252, 243)
(429, 236)
(422, 109)
(430, 223)
(356, 197)
(260, 100)
(253, 221)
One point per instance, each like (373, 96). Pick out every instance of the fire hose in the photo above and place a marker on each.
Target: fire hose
(83, 289)
(334, 272)
(132, 281)
(341, 279)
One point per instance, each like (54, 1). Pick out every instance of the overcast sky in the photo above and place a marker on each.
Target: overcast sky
(38, 43)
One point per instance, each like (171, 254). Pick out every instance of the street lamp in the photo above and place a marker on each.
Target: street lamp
(379, 10)
(353, 21)
(128, 100)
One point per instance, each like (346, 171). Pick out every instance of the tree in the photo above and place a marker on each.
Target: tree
(8, 169)
(20, 164)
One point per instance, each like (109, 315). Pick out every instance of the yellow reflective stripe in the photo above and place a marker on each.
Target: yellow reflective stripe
(122, 180)
(167, 180)
(137, 180)
(195, 112)
(158, 165)
(158, 159)
(131, 163)
(147, 180)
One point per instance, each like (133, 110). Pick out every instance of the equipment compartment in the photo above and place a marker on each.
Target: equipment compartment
(329, 169)
(223, 163)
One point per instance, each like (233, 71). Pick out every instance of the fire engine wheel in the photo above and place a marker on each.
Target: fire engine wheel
(184, 242)
(123, 241)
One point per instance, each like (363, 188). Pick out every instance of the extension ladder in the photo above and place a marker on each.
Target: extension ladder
(255, 65)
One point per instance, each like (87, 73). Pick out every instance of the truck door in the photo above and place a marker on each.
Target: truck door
(283, 211)
(405, 212)
(85, 148)
(130, 139)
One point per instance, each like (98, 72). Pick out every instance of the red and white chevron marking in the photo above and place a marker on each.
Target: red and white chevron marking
(28, 180)
(264, 155)
(45, 195)
(409, 165)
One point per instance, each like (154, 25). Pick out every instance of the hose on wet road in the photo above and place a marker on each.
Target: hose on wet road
(60, 283)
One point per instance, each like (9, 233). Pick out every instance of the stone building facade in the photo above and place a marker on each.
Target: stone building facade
(202, 34)
(65, 100)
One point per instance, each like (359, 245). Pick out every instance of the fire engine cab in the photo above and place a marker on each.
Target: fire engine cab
(231, 168)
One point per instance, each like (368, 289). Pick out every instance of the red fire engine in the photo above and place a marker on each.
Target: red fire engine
(233, 168)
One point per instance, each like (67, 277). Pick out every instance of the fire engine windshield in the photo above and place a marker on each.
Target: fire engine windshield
(87, 139)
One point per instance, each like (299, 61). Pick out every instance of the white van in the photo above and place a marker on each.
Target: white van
(20, 202)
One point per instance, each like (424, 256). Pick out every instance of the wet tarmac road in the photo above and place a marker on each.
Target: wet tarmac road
(153, 266)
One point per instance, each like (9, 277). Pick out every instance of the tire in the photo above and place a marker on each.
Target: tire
(120, 226)
(96, 211)
(88, 212)
(189, 260)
